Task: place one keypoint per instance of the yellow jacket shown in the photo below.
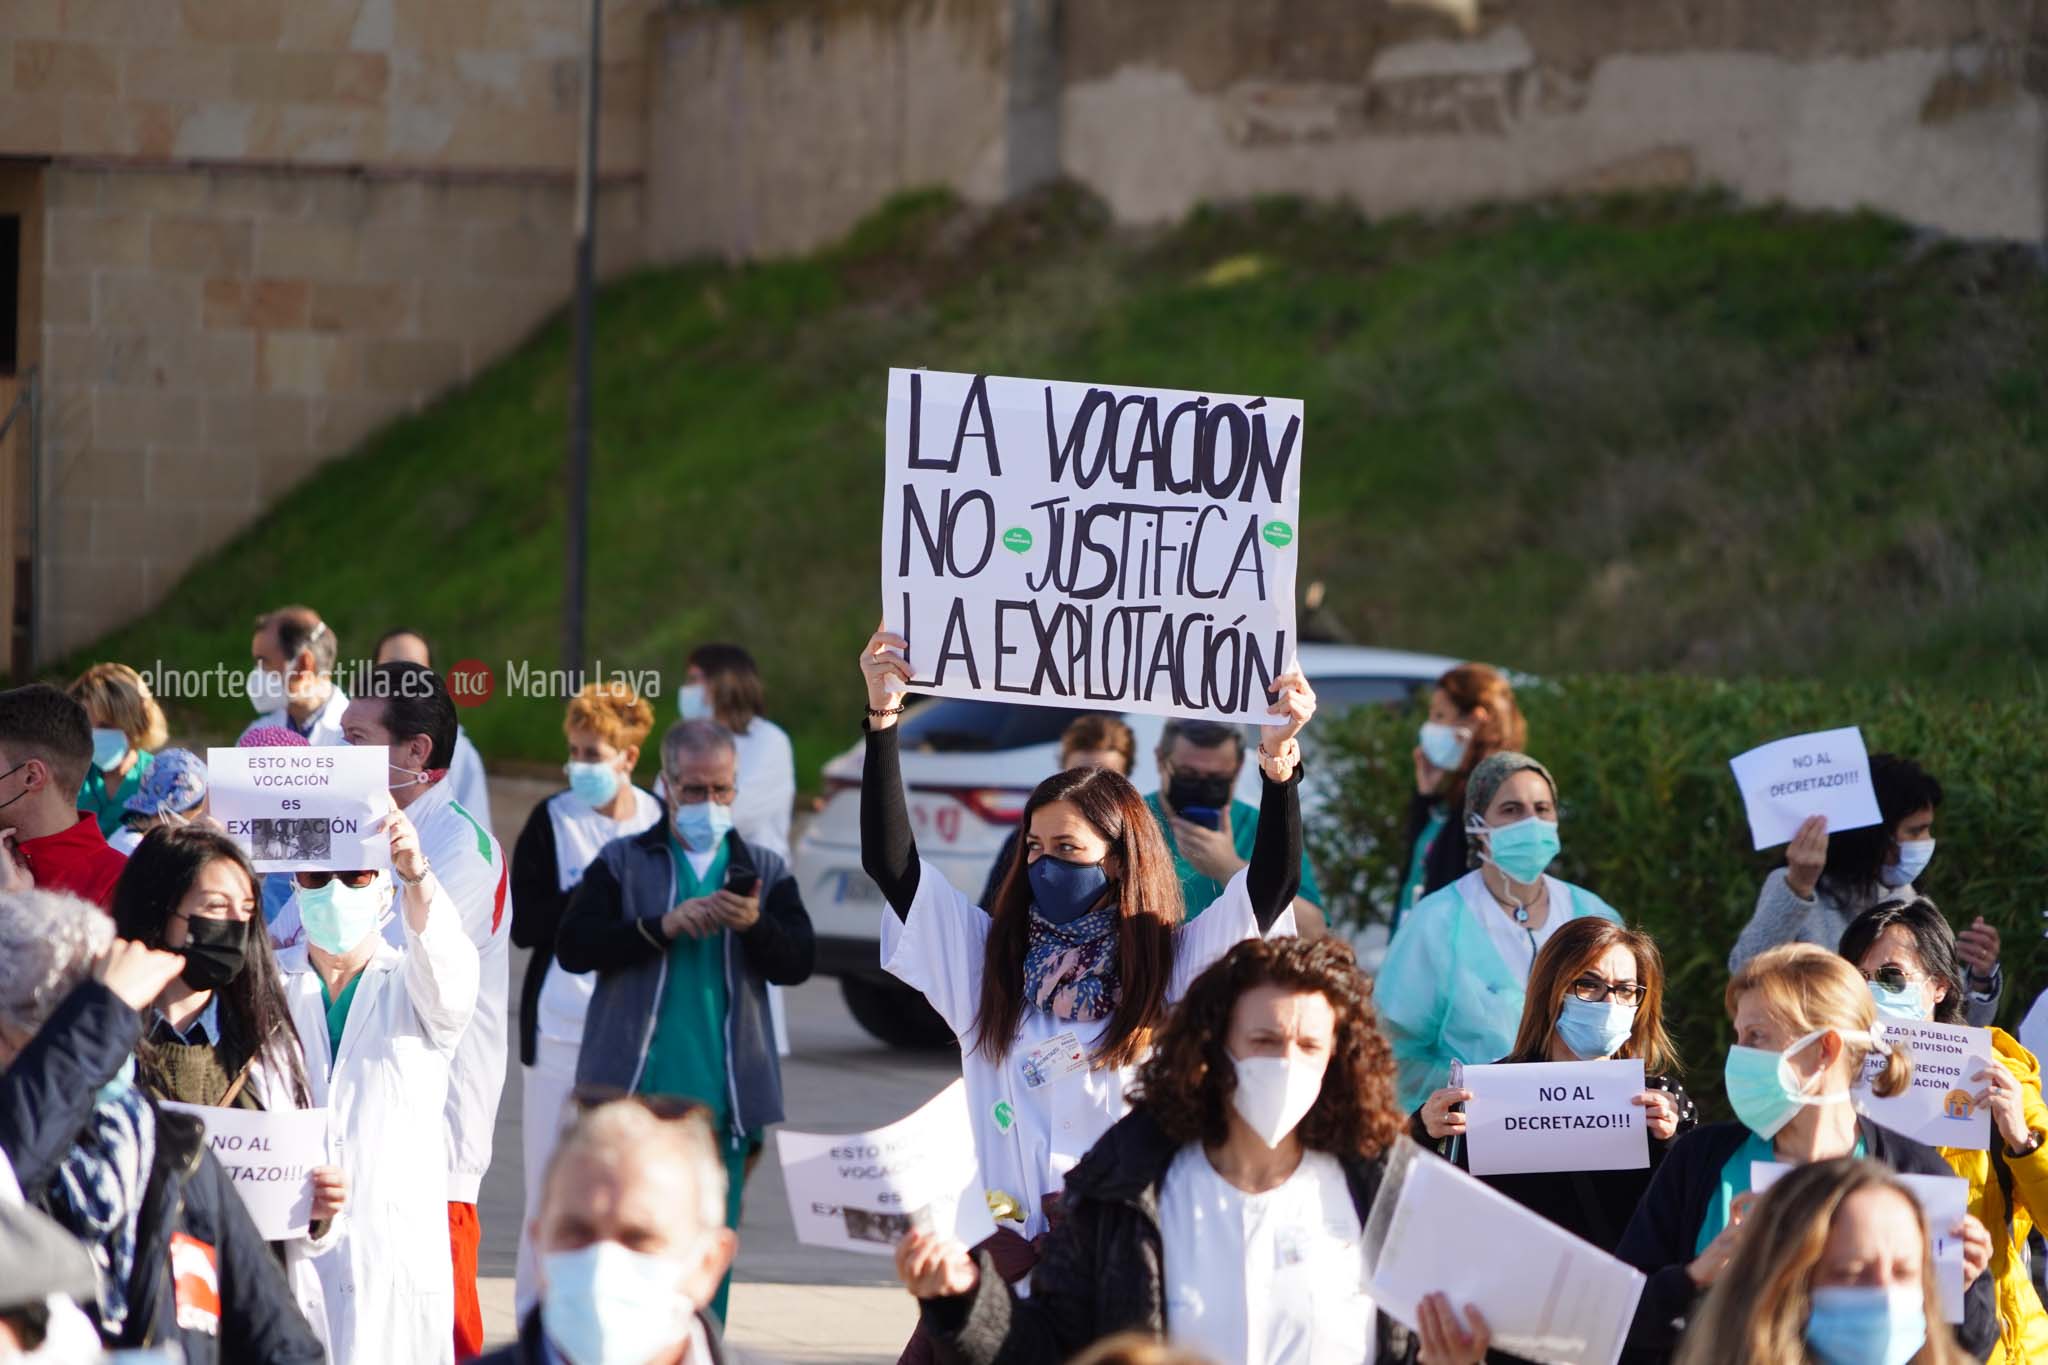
(2023, 1322)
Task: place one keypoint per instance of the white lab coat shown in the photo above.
(326, 724)
(270, 1078)
(388, 1279)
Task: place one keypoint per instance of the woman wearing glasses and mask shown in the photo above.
(1452, 984)
(1907, 951)
(1057, 991)
(380, 1025)
(1595, 993)
(221, 1034)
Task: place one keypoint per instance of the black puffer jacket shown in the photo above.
(1101, 1268)
(47, 1096)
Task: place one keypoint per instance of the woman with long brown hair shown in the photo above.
(1057, 990)
(1595, 992)
(1837, 1271)
(1472, 714)
(1804, 1036)
(1225, 1212)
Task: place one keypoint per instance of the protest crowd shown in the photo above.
(251, 1061)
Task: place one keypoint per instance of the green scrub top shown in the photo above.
(686, 1056)
(337, 1012)
(111, 807)
(1198, 892)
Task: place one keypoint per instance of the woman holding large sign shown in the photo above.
(1057, 991)
(1595, 993)
(1803, 1034)
(221, 1034)
(1907, 952)
(1840, 1273)
(1451, 987)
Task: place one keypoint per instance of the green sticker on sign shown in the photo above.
(1017, 539)
(1278, 534)
(1005, 1116)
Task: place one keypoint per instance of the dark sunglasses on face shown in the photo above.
(1593, 990)
(313, 881)
(1889, 976)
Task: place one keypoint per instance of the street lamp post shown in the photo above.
(577, 540)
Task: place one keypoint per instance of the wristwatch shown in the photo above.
(425, 871)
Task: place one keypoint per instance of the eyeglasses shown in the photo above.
(313, 881)
(667, 1108)
(696, 794)
(1890, 976)
(1593, 990)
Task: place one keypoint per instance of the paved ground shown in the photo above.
(789, 1302)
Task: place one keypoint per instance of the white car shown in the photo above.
(968, 767)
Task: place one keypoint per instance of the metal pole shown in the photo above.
(577, 545)
(38, 588)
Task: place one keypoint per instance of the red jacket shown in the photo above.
(77, 860)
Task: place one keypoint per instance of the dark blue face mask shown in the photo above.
(1065, 891)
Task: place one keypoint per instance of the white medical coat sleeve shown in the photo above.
(1228, 921)
(440, 974)
(937, 948)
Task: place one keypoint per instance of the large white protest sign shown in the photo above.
(1555, 1116)
(1785, 781)
(1943, 1200)
(270, 1157)
(1080, 545)
(865, 1191)
(303, 809)
(1546, 1295)
(1939, 1108)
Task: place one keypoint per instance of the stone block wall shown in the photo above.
(210, 336)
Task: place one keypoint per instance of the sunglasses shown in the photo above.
(313, 881)
(1593, 990)
(1890, 976)
(668, 1108)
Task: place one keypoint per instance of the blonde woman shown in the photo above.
(1838, 1271)
(127, 729)
(1803, 1021)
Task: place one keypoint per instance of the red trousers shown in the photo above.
(465, 1234)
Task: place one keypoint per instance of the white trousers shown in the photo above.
(547, 1084)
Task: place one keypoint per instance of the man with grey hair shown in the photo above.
(686, 925)
(631, 1241)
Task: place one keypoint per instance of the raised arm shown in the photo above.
(888, 853)
(1275, 872)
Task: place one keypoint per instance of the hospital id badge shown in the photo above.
(1054, 1059)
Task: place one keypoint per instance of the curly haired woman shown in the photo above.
(1223, 1213)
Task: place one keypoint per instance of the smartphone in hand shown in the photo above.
(1208, 817)
(742, 882)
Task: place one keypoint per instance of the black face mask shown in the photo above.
(1193, 791)
(215, 950)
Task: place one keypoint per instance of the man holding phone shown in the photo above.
(686, 925)
(1208, 830)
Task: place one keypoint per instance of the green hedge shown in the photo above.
(1652, 821)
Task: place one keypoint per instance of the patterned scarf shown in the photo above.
(1070, 969)
(100, 1186)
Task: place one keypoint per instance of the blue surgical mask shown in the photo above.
(1521, 850)
(1063, 891)
(606, 1304)
(702, 824)
(692, 703)
(1765, 1092)
(595, 784)
(338, 917)
(1442, 745)
(1595, 1029)
(1857, 1324)
(1914, 856)
(1907, 1002)
(108, 747)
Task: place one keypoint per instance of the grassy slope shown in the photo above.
(1622, 434)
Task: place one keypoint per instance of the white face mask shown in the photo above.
(692, 703)
(1274, 1094)
(266, 689)
(606, 1304)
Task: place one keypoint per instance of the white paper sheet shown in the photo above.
(1938, 1107)
(1080, 545)
(1944, 1200)
(270, 1158)
(1785, 781)
(1555, 1116)
(303, 809)
(864, 1191)
(1547, 1295)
